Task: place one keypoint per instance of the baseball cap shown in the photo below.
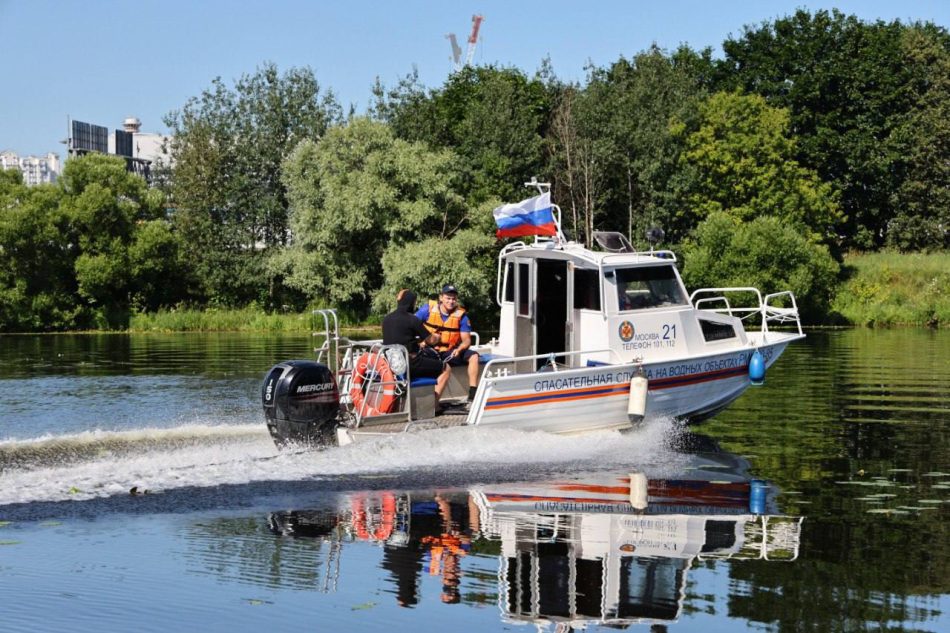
(449, 289)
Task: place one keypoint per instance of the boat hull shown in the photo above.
(596, 398)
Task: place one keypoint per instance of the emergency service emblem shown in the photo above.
(626, 331)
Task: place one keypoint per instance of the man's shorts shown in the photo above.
(458, 361)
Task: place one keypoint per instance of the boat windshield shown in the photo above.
(648, 287)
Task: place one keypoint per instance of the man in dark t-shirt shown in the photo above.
(402, 327)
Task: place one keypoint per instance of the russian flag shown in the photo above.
(534, 216)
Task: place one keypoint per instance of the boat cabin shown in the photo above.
(625, 306)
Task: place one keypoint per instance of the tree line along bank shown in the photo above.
(814, 136)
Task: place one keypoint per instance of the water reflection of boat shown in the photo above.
(586, 550)
(604, 547)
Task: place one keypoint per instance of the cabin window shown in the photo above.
(648, 287)
(524, 297)
(586, 289)
(713, 331)
(510, 283)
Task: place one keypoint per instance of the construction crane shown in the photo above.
(472, 43)
(456, 51)
(473, 38)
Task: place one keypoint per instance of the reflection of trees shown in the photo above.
(209, 354)
(864, 402)
(852, 576)
(245, 550)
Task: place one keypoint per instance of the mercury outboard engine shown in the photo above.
(307, 523)
(301, 403)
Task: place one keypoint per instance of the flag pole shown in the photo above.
(545, 187)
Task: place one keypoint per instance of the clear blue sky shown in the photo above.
(102, 60)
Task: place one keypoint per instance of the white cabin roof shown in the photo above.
(575, 251)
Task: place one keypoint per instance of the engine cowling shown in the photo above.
(301, 403)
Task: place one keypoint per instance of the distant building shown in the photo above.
(133, 143)
(35, 169)
(141, 150)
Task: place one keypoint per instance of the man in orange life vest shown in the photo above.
(446, 319)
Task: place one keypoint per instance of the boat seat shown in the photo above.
(422, 398)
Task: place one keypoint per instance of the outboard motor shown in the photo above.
(307, 523)
(301, 403)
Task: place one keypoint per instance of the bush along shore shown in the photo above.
(878, 290)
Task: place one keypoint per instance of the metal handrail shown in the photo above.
(767, 311)
(486, 372)
(758, 294)
(713, 299)
(668, 256)
(507, 250)
(331, 344)
(374, 347)
(782, 315)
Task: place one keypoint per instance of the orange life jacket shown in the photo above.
(449, 330)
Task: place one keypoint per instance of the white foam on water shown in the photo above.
(204, 456)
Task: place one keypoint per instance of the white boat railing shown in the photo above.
(550, 357)
(607, 260)
(768, 307)
(329, 351)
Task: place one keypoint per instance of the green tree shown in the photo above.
(356, 193)
(739, 159)
(612, 151)
(105, 206)
(37, 283)
(492, 118)
(764, 252)
(846, 85)
(159, 275)
(467, 260)
(85, 251)
(226, 155)
(922, 200)
(579, 184)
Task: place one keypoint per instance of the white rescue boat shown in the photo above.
(588, 340)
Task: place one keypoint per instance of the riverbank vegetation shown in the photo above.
(889, 288)
(883, 289)
(814, 135)
(248, 319)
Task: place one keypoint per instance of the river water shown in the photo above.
(139, 491)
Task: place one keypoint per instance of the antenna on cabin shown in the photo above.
(542, 187)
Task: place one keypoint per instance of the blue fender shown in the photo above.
(757, 368)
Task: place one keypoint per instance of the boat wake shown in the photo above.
(100, 464)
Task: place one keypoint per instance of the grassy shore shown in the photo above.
(889, 289)
(236, 320)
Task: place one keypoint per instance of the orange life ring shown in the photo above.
(387, 380)
(387, 518)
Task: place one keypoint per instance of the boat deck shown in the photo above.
(453, 417)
